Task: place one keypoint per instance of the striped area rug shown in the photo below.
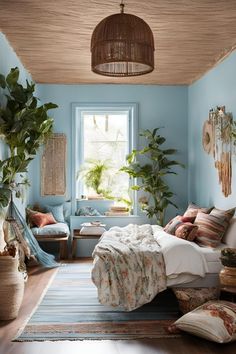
(69, 310)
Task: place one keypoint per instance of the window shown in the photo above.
(104, 135)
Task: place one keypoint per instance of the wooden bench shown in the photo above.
(63, 239)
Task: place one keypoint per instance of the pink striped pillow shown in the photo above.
(212, 227)
(193, 210)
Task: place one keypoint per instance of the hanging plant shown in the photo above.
(95, 174)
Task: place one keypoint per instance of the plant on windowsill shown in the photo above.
(150, 165)
(96, 174)
(24, 127)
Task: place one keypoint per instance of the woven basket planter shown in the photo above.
(11, 289)
(228, 276)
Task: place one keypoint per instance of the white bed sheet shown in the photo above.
(180, 256)
(174, 253)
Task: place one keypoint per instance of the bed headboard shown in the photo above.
(230, 236)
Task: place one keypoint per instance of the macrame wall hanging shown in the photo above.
(219, 140)
(53, 166)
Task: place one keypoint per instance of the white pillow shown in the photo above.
(92, 230)
(215, 321)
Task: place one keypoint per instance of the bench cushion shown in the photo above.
(57, 229)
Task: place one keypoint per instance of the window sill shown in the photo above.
(105, 216)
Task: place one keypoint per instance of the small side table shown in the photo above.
(77, 236)
(228, 293)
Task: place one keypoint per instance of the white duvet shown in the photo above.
(180, 256)
(132, 264)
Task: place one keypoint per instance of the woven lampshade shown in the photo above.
(122, 45)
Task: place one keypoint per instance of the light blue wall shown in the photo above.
(8, 60)
(159, 106)
(216, 88)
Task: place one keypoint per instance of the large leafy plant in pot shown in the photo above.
(149, 166)
(24, 127)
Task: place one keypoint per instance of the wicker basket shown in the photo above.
(228, 276)
(11, 289)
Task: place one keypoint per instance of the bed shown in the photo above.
(129, 273)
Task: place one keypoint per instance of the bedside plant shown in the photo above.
(150, 165)
(228, 257)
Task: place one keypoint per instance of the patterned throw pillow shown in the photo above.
(193, 210)
(225, 215)
(172, 225)
(212, 227)
(186, 231)
(42, 219)
(215, 321)
(57, 212)
(182, 227)
(190, 298)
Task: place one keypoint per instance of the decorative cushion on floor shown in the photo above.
(57, 230)
(215, 321)
(193, 210)
(57, 212)
(42, 219)
(212, 227)
(191, 298)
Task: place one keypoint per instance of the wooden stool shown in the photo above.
(77, 236)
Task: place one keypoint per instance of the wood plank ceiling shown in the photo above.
(52, 38)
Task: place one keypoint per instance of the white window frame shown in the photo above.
(78, 109)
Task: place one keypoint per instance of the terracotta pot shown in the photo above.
(228, 276)
(11, 289)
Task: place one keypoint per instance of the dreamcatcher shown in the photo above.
(217, 140)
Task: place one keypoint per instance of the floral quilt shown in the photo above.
(128, 268)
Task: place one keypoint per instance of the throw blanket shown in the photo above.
(128, 267)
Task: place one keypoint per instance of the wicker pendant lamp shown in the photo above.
(122, 45)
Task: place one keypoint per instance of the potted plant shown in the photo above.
(96, 174)
(228, 257)
(150, 165)
(24, 127)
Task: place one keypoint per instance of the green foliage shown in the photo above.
(94, 172)
(149, 166)
(24, 127)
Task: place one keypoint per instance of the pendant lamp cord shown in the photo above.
(122, 5)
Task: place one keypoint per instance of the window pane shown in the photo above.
(105, 139)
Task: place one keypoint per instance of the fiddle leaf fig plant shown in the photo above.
(24, 127)
(149, 166)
